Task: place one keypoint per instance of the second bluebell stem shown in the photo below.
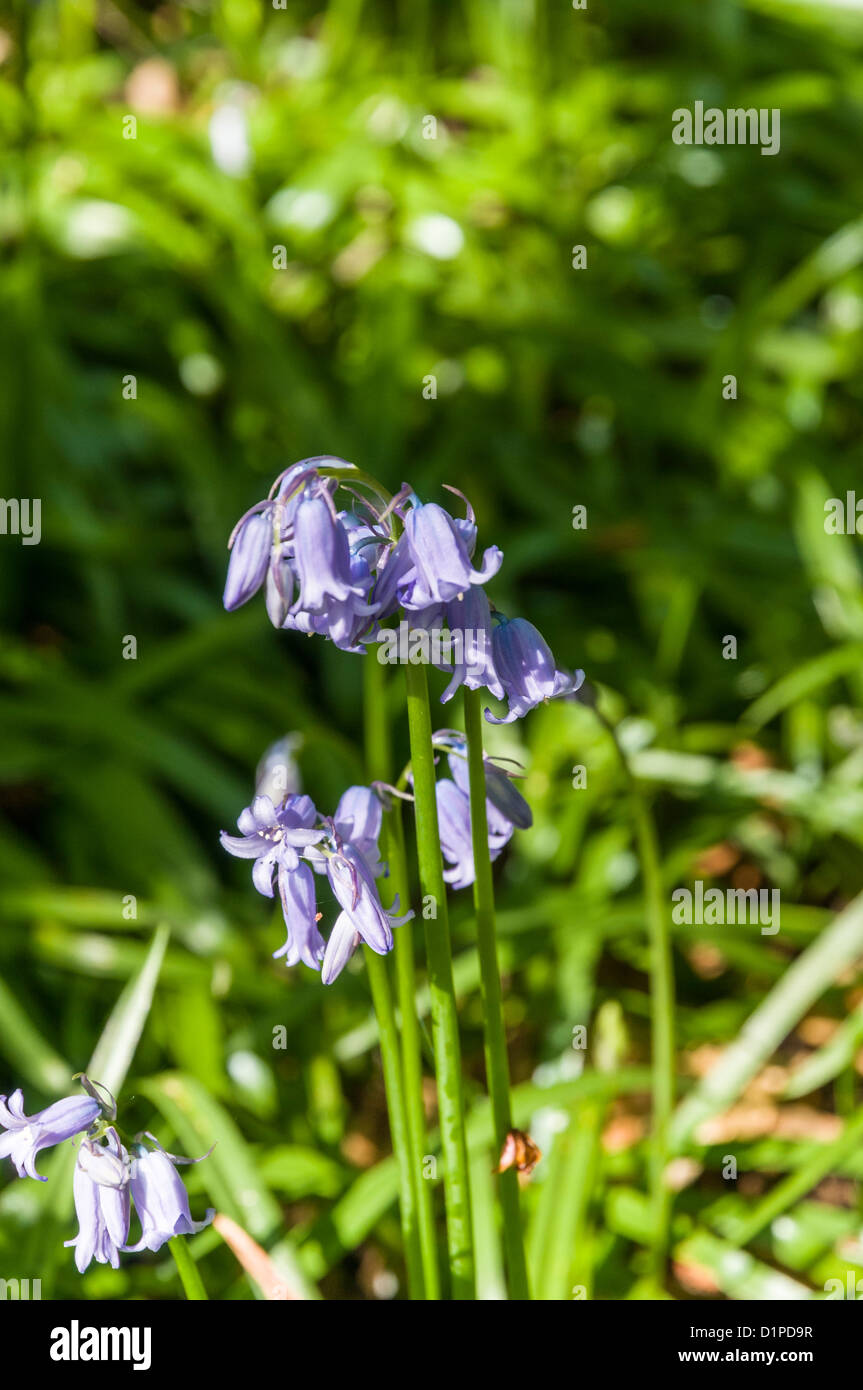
(444, 1014)
(496, 1061)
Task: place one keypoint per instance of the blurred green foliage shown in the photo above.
(281, 256)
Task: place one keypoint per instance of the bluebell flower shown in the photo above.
(440, 553)
(527, 670)
(504, 802)
(160, 1199)
(288, 842)
(279, 590)
(470, 614)
(250, 544)
(358, 819)
(344, 940)
(299, 908)
(101, 1190)
(273, 837)
(505, 809)
(453, 810)
(353, 883)
(27, 1135)
(322, 556)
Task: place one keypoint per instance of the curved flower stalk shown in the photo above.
(292, 842)
(107, 1177)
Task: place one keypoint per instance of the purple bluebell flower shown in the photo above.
(504, 802)
(358, 820)
(280, 585)
(505, 809)
(27, 1135)
(101, 1190)
(322, 556)
(250, 545)
(470, 614)
(273, 837)
(334, 577)
(440, 553)
(304, 941)
(453, 810)
(277, 774)
(353, 883)
(344, 940)
(161, 1200)
(526, 667)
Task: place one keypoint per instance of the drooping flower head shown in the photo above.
(297, 542)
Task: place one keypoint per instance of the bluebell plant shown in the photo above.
(336, 557)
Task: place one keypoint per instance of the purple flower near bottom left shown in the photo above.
(107, 1178)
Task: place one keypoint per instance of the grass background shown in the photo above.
(556, 387)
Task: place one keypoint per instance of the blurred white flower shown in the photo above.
(437, 235)
(229, 140)
(95, 228)
(308, 208)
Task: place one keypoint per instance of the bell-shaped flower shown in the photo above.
(469, 614)
(453, 812)
(28, 1134)
(279, 591)
(505, 805)
(526, 667)
(161, 1200)
(344, 940)
(322, 556)
(304, 941)
(358, 821)
(250, 543)
(442, 567)
(353, 883)
(100, 1187)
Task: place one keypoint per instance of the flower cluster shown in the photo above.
(290, 843)
(343, 573)
(108, 1177)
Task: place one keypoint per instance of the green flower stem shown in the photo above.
(662, 1009)
(377, 758)
(441, 990)
(389, 1044)
(412, 1050)
(496, 1063)
(191, 1280)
